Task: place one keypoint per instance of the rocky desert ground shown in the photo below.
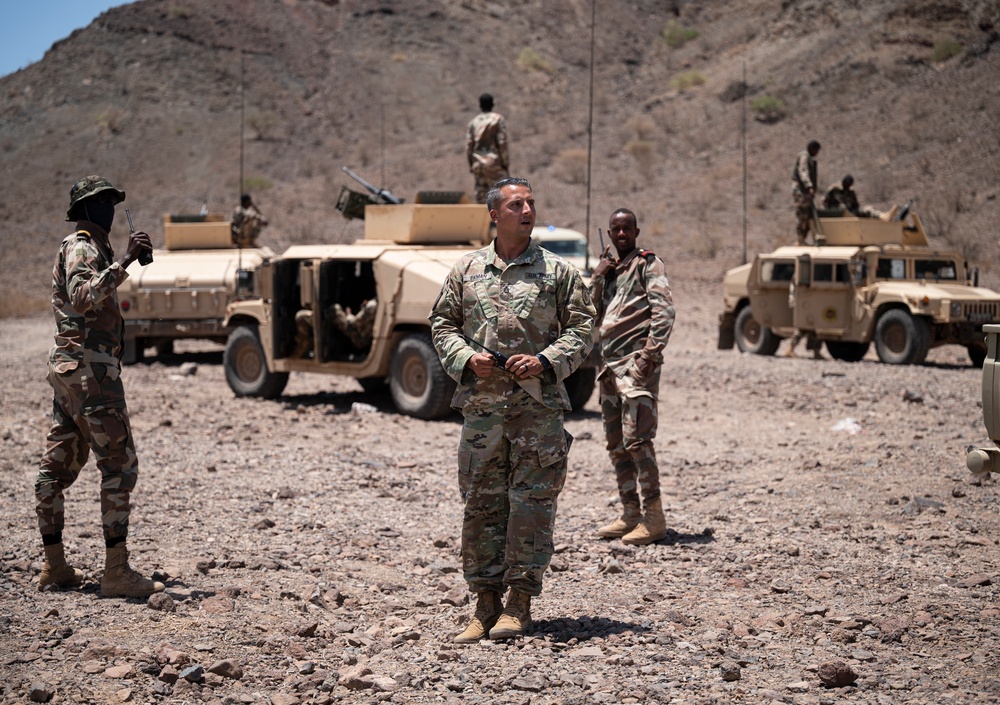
(828, 544)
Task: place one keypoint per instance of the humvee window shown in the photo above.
(891, 269)
(566, 248)
(831, 272)
(934, 269)
(774, 271)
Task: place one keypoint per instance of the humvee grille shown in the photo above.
(981, 311)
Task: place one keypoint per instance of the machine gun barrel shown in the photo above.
(381, 196)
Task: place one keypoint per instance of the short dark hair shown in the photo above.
(245, 198)
(626, 211)
(493, 195)
(813, 146)
(847, 181)
(486, 102)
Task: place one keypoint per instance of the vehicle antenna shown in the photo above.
(590, 132)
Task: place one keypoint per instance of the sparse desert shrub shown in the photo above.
(676, 35)
(112, 120)
(571, 165)
(643, 152)
(179, 12)
(533, 61)
(256, 183)
(642, 127)
(944, 49)
(685, 80)
(768, 109)
(262, 122)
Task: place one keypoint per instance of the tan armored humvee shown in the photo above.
(184, 292)
(869, 280)
(404, 258)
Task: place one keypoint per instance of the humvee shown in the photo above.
(986, 460)
(401, 263)
(184, 292)
(868, 280)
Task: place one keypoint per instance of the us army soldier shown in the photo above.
(486, 147)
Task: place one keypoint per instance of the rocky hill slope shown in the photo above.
(902, 94)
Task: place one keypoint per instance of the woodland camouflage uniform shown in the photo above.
(635, 312)
(486, 150)
(513, 450)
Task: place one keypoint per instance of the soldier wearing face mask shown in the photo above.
(88, 410)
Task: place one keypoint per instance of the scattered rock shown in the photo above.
(730, 671)
(161, 601)
(193, 674)
(227, 669)
(40, 693)
(836, 674)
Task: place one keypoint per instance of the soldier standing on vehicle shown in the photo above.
(89, 410)
(530, 307)
(486, 147)
(804, 180)
(635, 312)
(247, 222)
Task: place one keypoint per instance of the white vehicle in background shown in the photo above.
(571, 245)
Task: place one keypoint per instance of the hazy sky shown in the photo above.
(30, 27)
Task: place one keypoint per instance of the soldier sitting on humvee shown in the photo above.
(840, 196)
(357, 327)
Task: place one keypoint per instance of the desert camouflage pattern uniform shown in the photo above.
(635, 312)
(486, 150)
(513, 449)
(88, 410)
(847, 199)
(246, 225)
(804, 177)
(358, 326)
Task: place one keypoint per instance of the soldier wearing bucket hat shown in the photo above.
(88, 410)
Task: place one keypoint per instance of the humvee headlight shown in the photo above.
(926, 300)
(955, 309)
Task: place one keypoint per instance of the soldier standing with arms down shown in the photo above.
(89, 410)
(804, 185)
(486, 147)
(521, 301)
(635, 312)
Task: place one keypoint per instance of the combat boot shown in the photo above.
(120, 580)
(515, 620)
(56, 570)
(653, 526)
(623, 524)
(488, 607)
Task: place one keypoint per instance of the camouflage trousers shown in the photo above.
(629, 412)
(803, 215)
(485, 178)
(511, 467)
(88, 412)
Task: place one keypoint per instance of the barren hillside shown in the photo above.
(902, 94)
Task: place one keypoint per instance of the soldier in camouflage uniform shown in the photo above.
(486, 147)
(804, 181)
(635, 312)
(842, 196)
(522, 301)
(89, 411)
(356, 326)
(247, 223)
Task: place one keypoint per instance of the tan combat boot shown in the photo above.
(488, 606)
(121, 581)
(622, 525)
(56, 570)
(515, 620)
(653, 526)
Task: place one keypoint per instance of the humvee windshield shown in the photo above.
(566, 248)
(934, 269)
(777, 270)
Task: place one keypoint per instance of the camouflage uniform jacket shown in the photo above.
(85, 279)
(486, 141)
(536, 304)
(839, 197)
(635, 311)
(804, 175)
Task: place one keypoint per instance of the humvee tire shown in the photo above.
(246, 367)
(418, 384)
(902, 339)
(751, 337)
(977, 353)
(580, 386)
(847, 351)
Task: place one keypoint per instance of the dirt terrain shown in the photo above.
(310, 554)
